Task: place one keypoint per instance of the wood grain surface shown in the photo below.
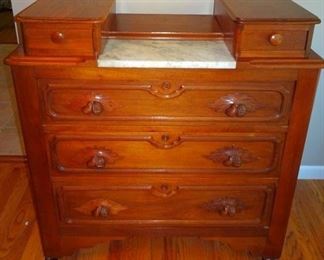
(165, 129)
(22, 242)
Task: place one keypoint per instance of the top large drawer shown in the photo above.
(166, 101)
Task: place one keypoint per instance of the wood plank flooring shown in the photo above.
(19, 237)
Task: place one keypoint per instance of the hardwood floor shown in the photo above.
(18, 228)
(19, 238)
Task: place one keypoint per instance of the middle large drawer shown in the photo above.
(166, 152)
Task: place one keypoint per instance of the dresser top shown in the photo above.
(268, 10)
(65, 10)
(166, 54)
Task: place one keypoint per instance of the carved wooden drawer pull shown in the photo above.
(98, 161)
(236, 110)
(233, 161)
(232, 156)
(102, 212)
(93, 107)
(276, 39)
(102, 158)
(57, 37)
(225, 206)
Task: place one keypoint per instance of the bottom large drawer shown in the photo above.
(166, 205)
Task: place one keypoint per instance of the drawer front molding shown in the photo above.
(166, 101)
(164, 152)
(211, 205)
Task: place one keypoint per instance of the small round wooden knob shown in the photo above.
(57, 37)
(276, 39)
(236, 110)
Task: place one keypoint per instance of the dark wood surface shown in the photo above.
(141, 148)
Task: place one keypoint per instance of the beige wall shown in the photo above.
(314, 150)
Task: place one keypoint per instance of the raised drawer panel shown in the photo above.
(166, 204)
(274, 41)
(167, 101)
(55, 39)
(164, 152)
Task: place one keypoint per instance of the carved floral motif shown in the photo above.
(166, 90)
(100, 208)
(226, 206)
(164, 190)
(232, 156)
(235, 105)
(102, 157)
(165, 141)
(99, 105)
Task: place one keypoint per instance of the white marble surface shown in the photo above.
(166, 54)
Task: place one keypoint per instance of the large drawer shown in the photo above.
(166, 152)
(166, 101)
(166, 205)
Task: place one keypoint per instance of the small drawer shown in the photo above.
(166, 204)
(166, 152)
(166, 101)
(55, 39)
(274, 41)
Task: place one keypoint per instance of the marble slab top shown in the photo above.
(166, 54)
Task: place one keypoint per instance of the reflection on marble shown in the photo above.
(166, 54)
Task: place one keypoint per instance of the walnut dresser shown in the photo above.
(118, 151)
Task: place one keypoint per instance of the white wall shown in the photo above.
(18, 5)
(166, 6)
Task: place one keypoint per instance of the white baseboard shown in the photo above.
(311, 172)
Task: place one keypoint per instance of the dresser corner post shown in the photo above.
(26, 90)
(305, 91)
